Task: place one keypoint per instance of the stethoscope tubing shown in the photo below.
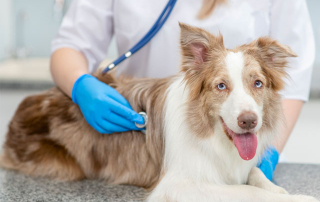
(151, 33)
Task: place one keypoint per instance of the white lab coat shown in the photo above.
(89, 26)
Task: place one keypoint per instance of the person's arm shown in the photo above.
(81, 44)
(270, 158)
(291, 110)
(290, 24)
(66, 66)
(83, 39)
(102, 106)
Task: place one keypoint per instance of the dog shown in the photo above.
(208, 126)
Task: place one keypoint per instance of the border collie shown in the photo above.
(208, 126)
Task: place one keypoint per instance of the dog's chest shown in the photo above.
(212, 160)
(212, 168)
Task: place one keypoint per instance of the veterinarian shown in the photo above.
(86, 31)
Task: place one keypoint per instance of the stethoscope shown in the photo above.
(152, 32)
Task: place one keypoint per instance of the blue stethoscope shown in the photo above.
(152, 32)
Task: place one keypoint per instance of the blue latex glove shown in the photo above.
(103, 107)
(269, 162)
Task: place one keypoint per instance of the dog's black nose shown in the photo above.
(247, 120)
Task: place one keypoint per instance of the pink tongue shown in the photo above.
(246, 145)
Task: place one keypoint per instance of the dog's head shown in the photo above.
(238, 89)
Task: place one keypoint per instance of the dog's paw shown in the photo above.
(276, 189)
(303, 198)
(273, 188)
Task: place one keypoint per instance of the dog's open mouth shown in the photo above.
(246, 143)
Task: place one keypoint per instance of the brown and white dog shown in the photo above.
(208, 126)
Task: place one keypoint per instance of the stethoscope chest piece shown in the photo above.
(145, 117)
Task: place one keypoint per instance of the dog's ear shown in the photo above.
(273, 58)
(272, 52)
(196, 45)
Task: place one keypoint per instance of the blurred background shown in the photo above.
(26, 31)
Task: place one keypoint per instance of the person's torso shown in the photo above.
(239, 22)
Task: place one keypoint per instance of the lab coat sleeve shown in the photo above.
(290, 24)
(87, 27)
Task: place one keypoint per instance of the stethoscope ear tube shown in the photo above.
(151, 33)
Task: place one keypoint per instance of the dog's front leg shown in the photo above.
(190, 191)
(258, 179)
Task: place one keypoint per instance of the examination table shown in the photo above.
(15, 187)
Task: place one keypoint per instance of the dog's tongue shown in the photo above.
(246, 144)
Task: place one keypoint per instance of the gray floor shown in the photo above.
(302, 147)
(295, 178)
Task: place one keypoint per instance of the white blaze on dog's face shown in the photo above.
(234, 87)
(241, 113)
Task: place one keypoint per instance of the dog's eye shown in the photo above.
(258, 84)
(222, 86)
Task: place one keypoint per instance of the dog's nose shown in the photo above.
(247, 120)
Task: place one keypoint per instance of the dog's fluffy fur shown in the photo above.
(188, 153)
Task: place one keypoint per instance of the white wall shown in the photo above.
(6, 31)
(35, 26)
(39, 27)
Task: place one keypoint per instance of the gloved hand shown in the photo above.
(269, 162)
(103, 107)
